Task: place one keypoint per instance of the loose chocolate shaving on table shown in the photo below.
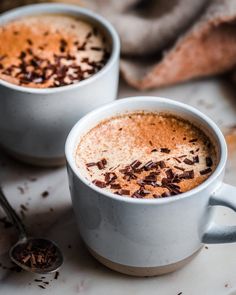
(56, 275)
(45, 194)
(206, 171)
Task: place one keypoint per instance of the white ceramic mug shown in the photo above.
(143, 236)
(34, 122)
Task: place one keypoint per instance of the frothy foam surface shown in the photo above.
(43, 51)
(146, 155)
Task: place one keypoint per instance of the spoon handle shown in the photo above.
(12, 215)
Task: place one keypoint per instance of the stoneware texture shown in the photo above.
(34, 122)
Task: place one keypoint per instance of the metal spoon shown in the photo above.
(25, 241)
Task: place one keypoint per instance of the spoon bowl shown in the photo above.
(36, 255)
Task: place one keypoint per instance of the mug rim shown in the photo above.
(73, 134)
(66, 8)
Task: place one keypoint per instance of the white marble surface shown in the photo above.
(212, 272)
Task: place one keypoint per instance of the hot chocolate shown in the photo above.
(44, 51)
(146, 155)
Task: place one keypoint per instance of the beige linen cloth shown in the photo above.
(166, 42)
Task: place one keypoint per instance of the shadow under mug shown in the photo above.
(144, 237)
(34, 122)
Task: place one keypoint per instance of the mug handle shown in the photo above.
(216, 234)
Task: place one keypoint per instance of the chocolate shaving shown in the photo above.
(187, 175)
(99, 183)
(206, 171)
(110, 177)
(196, 159)
(101, 164)
(193, 140)
(188, 161)
(179, 168)
(161, 164)
(165, 194)
(135, 164)
(96, 48)
(152, 177)
(165, 150)
(169, 174)
(115, 186)
(56, 275)
(154, 150)
(124, 192)
(141, 193)
(45, 194)
(209, 162)
(180, 157)
(176, 159)
(149, 165)
(91, 164)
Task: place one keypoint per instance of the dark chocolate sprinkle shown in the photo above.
(91, 164)
(206, 171)
(165, 194)
(188, 161)
(196, 159)
(115, 186)
(209, 161)
(187, 175)
(99, 183)
(179, 168)
(193, 140)
(124, 192)
(165, 150)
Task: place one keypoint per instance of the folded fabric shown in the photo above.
(168, 42)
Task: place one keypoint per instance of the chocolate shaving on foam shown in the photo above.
(187, 175)
(209, 162)
(206, 171)
(99, 183)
